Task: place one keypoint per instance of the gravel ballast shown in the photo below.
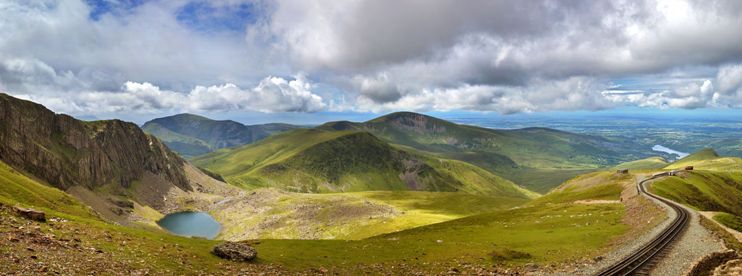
(695, 243)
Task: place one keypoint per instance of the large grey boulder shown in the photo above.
(235, 251)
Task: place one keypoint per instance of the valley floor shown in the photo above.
(527, 238)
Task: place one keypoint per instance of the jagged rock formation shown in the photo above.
(66, 152)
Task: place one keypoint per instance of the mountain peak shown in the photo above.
(192, 135)
(339, 125)
(185, 118)
(707, 153)
(404, 115)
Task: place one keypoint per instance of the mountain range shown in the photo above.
(192, 135)
(545, 155)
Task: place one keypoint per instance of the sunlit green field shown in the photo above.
(539, 232)
(354, 215)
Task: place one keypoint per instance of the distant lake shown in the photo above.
(192, 224)
(664, 149)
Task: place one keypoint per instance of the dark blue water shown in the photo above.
(193, 224)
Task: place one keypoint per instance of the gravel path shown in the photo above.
(694, 243)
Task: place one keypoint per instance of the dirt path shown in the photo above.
(597, 201)
(710, 215)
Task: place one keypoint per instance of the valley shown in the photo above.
(403, 193)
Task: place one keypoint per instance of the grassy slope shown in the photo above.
(329, 161)
(708, 159)
(468, 240)
(715, 184)
(534, 234)
(704, 190)
(17, 189)
(245, 159)
(731, 221)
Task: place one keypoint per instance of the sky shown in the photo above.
(308, 61)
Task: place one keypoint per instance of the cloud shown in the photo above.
(273, 94)
(540, 37)
(729, 82)
(378, 89)
(503, 56)
(145, 43)
(395, 48)
(540, 95)
(689, 96)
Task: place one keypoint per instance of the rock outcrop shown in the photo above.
(66, 152)
(235, 251)
(31, 214)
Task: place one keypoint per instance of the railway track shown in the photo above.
(642, 261)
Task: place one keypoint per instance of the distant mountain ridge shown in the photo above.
(528, 156)
(192, 135)
(547, 147)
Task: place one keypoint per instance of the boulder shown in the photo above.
(31, 214)
(235, 251)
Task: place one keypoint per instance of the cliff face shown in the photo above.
(66, 152)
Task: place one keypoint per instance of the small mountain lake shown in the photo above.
(664, 149)
(193, 224)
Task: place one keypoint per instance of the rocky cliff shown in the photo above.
(66, 152)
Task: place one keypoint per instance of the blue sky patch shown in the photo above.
(207, 17)
(102, 7)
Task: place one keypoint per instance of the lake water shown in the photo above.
(661, 148)
(193, 224)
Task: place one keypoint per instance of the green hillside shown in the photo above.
(704, 190)
(714, 184)
(192, 135)
(528, 147)
(536, 158)
(604, 185)
(316, 160)
(708, 159)
(534, 233)
(18, 189)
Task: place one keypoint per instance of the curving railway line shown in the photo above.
(643, 259)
